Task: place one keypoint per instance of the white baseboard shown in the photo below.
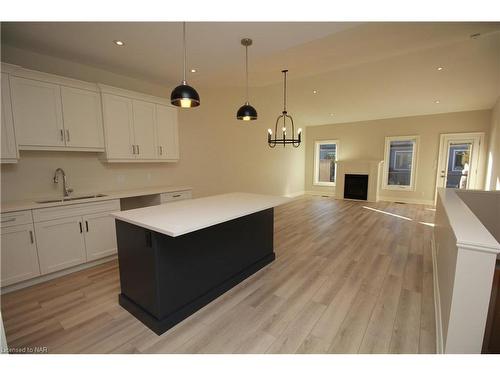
(437, 301)
(43, 278)
(295, 194)
(324, 193)
(407, 200)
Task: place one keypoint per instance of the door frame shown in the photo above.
(477, 139)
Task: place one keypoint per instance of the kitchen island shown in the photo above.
(175, 258)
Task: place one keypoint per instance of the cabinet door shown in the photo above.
(60, 243)
(144, 129)
(100, 235)
(82, 118)
(118, 130)
(37, 112)
(18, 254)
(9, 146)
(167, 133)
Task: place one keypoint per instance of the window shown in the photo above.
(325, 158)
(400, 163)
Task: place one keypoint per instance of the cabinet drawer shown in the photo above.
(52, 213)
(16, 218)
(175, 196)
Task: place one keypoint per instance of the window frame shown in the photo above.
(414, 162)
(317, 145)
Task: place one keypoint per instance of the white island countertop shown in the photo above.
(178, 218)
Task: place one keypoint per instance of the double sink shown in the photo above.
(66, 199)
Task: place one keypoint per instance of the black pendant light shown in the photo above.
(246, 111)
(283, 140)
(184, 95)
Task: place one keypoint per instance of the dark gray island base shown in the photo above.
(165, 279)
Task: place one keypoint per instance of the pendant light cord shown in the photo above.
(184, 43)
(284, 91)
(246, 64)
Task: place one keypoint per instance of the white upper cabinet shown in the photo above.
(118, 127)
(138, 127)
(37, 112)
(55, 113)
(144, 129)
(82, 118)
(9, 145)
(167, 133)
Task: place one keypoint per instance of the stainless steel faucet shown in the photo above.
(66, 189)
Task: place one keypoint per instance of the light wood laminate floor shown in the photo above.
(349, 277)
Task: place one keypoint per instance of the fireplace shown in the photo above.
(356, 186)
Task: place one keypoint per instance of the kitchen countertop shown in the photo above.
(30, 204)
(186, 216)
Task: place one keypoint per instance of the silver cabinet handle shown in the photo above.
(133, 149)
(62, 135)
(8, 220)
(161, 150)
(138, 149)
(31, 237)
(176, 195)
(67, 135)
(81, 229)
(87, 225)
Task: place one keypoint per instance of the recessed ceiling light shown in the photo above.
(437, 101)
(194, 70)
(119, 42)
(440, 68)
(331, 114)
(315, 91)
(475, 36)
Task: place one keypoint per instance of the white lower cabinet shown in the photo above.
(60, 243)
(75, 234)
(19, 260)
(100, 235)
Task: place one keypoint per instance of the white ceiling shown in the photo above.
(361, 70)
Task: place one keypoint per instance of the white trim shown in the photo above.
(319, 192)
(427, 202)
(316, 181)
(134, 95)
(437, 300)
(414, 163)
(295, 194)
(55, 275)
(18, 71)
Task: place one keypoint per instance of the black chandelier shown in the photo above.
(283, 140)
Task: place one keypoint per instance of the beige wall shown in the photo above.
(218, 153)
(493, 168)
(366, 139)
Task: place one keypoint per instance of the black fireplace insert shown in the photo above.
(356, 186)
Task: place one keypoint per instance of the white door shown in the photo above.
(167, 134)
(19, 259)
(100, 235)
(144, 129)
(60, 243)
(118, 127)
(82, 118)
(459, 160)
(9, 146)
(37, 112)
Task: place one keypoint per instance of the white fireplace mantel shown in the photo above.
(372, 168)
